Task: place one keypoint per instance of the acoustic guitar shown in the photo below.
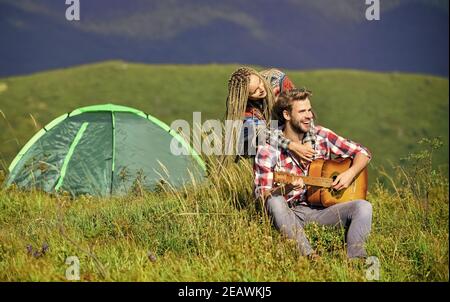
(321, 175)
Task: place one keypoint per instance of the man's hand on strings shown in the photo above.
(343, 180)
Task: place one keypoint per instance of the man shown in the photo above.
(291, 212)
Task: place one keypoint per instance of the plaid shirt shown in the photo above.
(269, 159)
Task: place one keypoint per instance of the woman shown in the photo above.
(251, 96)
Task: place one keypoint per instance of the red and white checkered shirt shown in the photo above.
(269, 159)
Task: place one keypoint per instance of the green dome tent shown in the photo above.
(104, 150)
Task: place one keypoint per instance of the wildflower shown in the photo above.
(151, 257)
(29, 249)
(44, 248)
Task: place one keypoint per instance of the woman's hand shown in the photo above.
(304, 151)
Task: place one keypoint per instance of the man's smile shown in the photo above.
(306, 123)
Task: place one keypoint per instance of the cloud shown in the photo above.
(141, 19)
(167, 22)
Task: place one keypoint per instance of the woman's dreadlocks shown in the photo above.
(237, 99)
(238, 95)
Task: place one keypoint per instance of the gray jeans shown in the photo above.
(355, 216)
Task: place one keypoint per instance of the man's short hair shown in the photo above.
(286, 99)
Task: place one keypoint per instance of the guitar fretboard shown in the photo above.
(282, 177)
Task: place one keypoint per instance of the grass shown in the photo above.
(214, 232)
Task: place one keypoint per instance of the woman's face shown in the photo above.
(256, 90)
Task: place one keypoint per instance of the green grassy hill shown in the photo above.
(214, 231)
(387, 112)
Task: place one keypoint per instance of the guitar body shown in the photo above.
(331, 169)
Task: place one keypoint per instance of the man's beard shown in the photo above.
(297, 127)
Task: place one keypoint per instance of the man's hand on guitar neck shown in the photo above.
(345, 179)
(284, 189)
(298, 183)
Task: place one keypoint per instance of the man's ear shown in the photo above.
(286, 115)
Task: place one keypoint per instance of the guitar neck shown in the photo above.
(308, 180)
